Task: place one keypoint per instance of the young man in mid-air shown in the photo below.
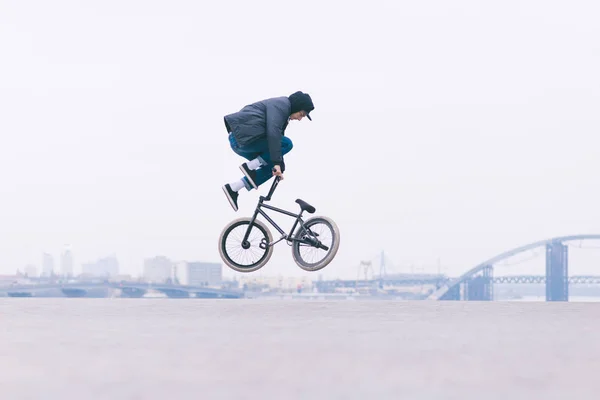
(257, 133)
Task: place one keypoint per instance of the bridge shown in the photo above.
(477, 283)
(128, 289)
(439, 280)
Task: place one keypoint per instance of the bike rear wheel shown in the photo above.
(248, 257)
(320, 231)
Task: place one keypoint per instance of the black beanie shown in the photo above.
(301, 102)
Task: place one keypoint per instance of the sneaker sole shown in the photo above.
(231, 202)
(248, 177)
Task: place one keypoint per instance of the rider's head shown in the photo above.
(302, 105)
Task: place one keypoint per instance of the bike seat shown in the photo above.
(304, 206)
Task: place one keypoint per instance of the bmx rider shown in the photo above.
(257, 133)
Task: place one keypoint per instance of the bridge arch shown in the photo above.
(440, 292)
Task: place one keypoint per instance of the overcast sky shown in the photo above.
(441, 130)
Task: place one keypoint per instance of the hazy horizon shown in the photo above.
(441, 131)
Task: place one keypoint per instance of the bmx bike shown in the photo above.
(246, 243)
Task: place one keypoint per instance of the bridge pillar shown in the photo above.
(481, 287)
(557, 272)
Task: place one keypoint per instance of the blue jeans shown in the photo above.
(259, 148)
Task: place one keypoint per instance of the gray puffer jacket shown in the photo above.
(263, 119)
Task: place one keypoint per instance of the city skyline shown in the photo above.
(584, 260)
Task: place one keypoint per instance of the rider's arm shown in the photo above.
(275, 120)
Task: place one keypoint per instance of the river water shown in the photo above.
(297, 349)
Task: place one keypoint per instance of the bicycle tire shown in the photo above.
(223, 251)
(331, 252)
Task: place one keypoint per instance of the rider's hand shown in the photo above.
(277, 172)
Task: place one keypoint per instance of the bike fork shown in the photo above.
(245, 243)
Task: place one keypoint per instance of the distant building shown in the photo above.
(204, 274)
(158, 269)
(105, 267)
(200, 273)
(66, 263)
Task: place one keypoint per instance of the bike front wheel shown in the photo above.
(317, 244)
(249, 256)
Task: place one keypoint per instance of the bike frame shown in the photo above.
(287, 236)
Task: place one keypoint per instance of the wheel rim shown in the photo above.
(233, 248)
(308, 255)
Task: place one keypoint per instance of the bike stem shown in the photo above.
(273, 186)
